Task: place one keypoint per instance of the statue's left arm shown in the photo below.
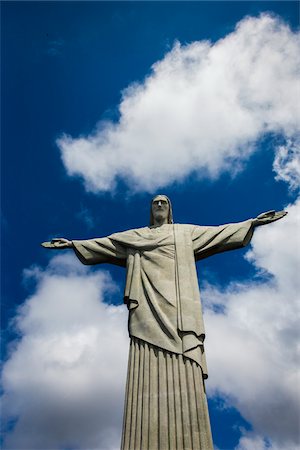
(210, 240)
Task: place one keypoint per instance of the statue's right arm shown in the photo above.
(58, 243)
(93, 251)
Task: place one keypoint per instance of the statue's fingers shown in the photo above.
(57, 240)
(266, 214)
(280, 214)
(47, 244)
(271, 213)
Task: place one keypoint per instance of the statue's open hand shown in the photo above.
(58, 243)
(268, 217)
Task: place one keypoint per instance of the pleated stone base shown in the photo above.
(165, 403)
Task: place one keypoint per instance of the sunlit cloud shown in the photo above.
(287, 163)
(64, 381)
(202, 109)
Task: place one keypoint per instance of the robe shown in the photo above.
(165, 405)
(161, 289)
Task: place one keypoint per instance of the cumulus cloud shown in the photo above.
(204, 106)
(252, 345)
(287, 163)
(64, 381)
(252, 442)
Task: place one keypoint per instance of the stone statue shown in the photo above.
(165, 404)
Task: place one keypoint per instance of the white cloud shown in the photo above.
(287, 163)
(254, 442)
(252, 348)
(65, 379)
(203, 106)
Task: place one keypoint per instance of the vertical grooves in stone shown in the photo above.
(139, 403)
(149, 403)
(153, 401)
(208, 435)
(185, 407)
(171, 402)
(145, 407)
(198, 399)
(134, 395)
(178, 407)
(128, 400)
(192, 394)
(165, 404)
(201, 415)
(204, 425)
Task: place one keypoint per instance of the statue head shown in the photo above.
(161, 210)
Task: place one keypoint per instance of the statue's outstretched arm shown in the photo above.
(268, 217)
(58, 243)
(92, 251)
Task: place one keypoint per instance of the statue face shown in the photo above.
(160, 209)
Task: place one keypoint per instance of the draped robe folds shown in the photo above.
(161, 290)
(165, 401)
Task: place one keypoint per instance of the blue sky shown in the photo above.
(213, 125)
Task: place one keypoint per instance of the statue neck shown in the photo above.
(159, 223)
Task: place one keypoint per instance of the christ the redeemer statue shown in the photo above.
(165, 404)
